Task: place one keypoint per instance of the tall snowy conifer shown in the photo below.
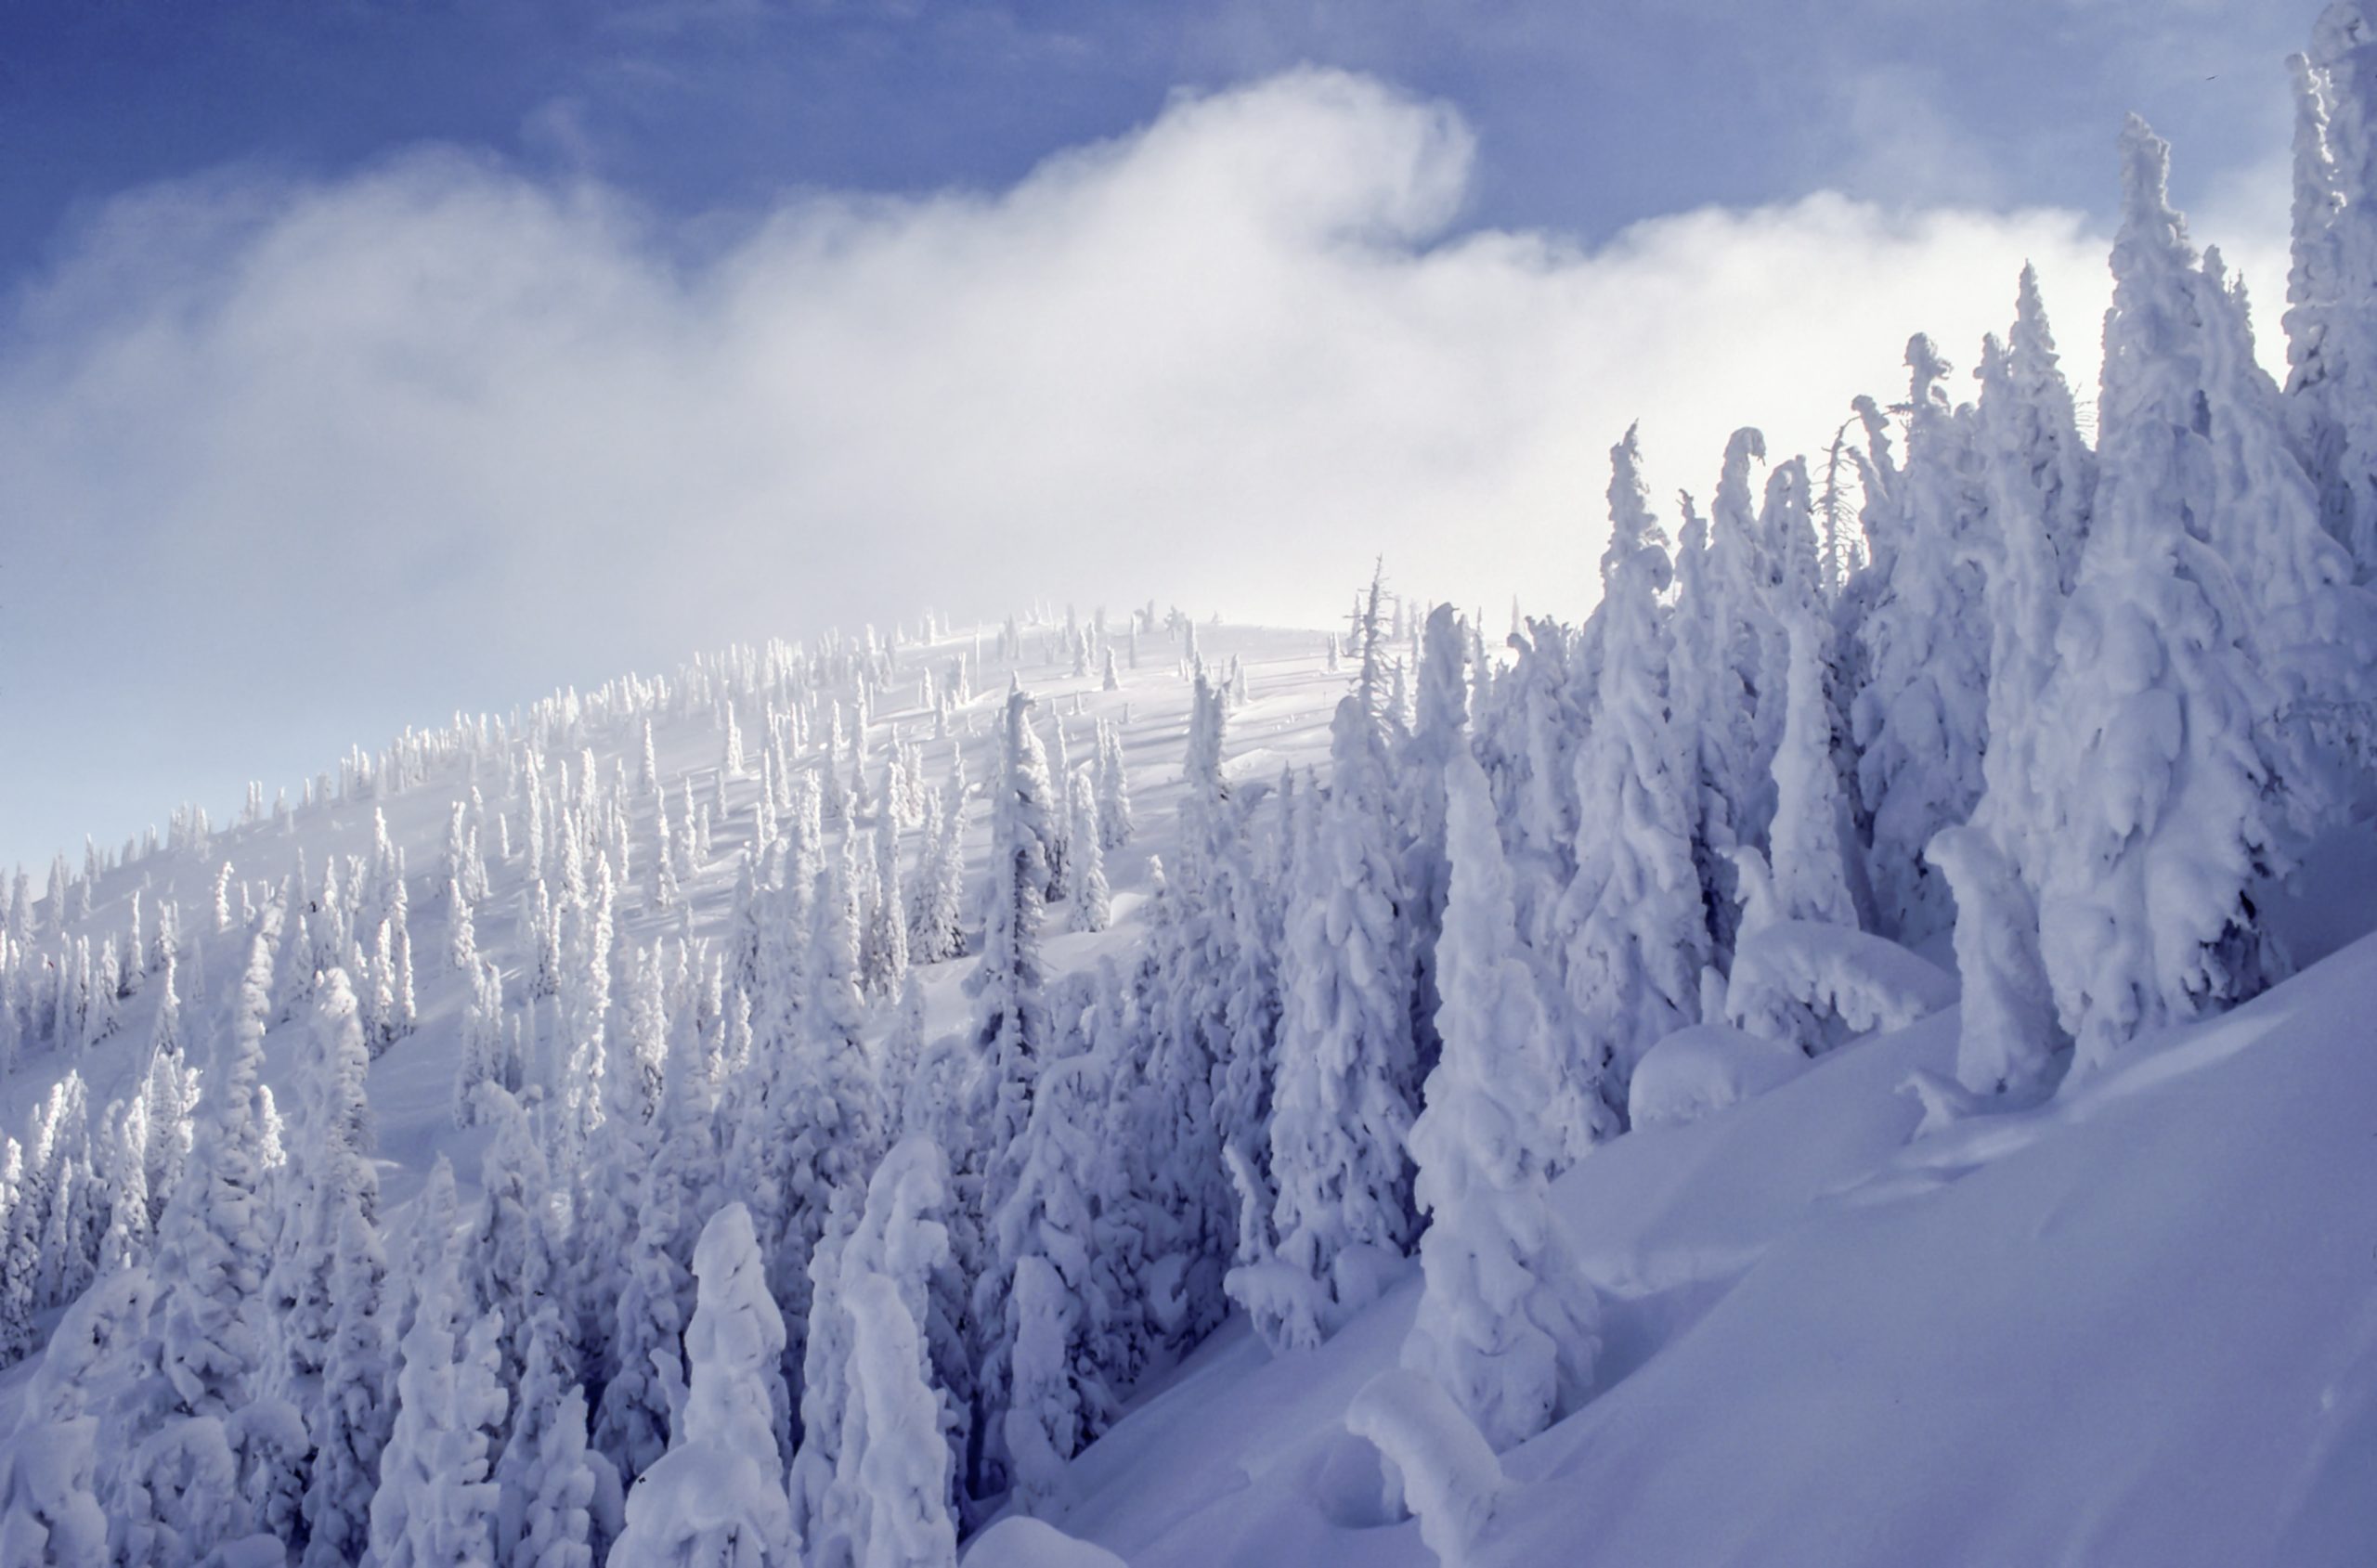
(1012, 1027)
(2160, 794)
(937, 929)
(716, 1498)
(1507, 1324)
(1438, 728)
(1043, 1304)
(2331, 286)
(435, 1504)
(212, 1428)
(884, 961)
(353, 1411)
(1631, 925)
(2039, 483)
(329, 1178)
(1092, 907)
(1114, 823)
(1919, 716)
(1347, 1079)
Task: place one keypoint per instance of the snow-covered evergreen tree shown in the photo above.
(2159, 791)
(936, 926)
(1507, 1325)
(1043, 1304)
(1919, 716)
(1342, 1104)
(353, 1408)
(2039, 480)
(2330, 321)
(50, 1513)
(884, 949)
(1092, 907)
(435, 1504)
(207, 1428)
(511, 1262)
(1011, 1029)
(1630, 924)
(716, 1498)
(1115, 825)
(1438, 728)
(551, 1489)
(330, 1182)
(655, 1297)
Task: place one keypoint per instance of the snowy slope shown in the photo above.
(1282, 723)
(2137, 1326)
(2133, 1327)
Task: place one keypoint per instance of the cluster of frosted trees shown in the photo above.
(715, 1220)
(766, 1265)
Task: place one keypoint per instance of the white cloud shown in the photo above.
(441, 434)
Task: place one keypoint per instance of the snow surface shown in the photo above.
(2137, 1327)
(1703, 1067)
(1028, 1543)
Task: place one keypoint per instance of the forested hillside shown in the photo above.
(1846, 1045)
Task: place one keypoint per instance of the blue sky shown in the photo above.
(1592, 115)
(362, 361)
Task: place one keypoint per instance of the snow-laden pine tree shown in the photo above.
(1092, 907)
(206, 1427)
(1056, 817)
(656, 1292)
(552, 1493)
(584, 999)
(902, 1466)
(1043, 1304)
(353, 1410)
(819, 1510)
(329, 1174)
(1922, 644)
(1188, 993)
(1805, 874)
(1631, 928)
(21, 1260)
(1114, 823)
(2159, 797)
(510, 1254)
(436, 1503)
(2039, 480)
(937, 921)
(903, 1239)
(884, 948)
(1507, 1324)
(716, 1498)
(1720, 627)
(165, 1033)
(2311, 632)
(1803, 878)
(1011, 1020)
(874, 1480)
(121, 1168)
(49, 1504)
(484, 1052)
(1439, 726)
(1347, 1081)
(461, 932)
(818, 1120)
(2331, 286)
